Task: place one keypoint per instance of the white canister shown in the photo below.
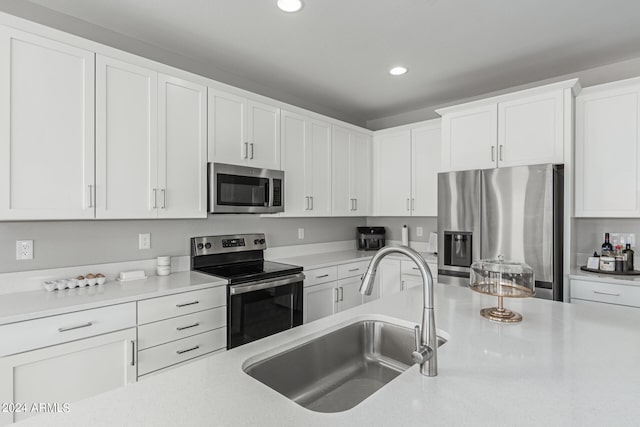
(607, 263)
(163, 261)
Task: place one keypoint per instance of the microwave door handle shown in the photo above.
(271, 193)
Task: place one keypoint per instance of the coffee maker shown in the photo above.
(370, 238)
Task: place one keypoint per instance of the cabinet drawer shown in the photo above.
(164, 331)
(352, 269)
(161, 356)
(320, 275)
(605, 292)
(409, 268)
(47, 331)
(161, 308)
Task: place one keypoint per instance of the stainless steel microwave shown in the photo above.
(242, 189)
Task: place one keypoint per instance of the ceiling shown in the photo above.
(337, 53)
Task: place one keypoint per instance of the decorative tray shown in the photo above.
(614, 273)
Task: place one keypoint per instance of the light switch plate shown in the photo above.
(301, 233)
(24, 249)
(419, 231)
(144, 241)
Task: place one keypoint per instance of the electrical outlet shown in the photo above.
(419, 231)
(301, 233)
(24, 249)
(144, 241)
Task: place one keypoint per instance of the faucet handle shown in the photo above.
(422, 353)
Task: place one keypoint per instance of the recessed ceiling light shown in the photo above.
(398, 71)
(290, 5)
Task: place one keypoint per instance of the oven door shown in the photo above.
(241, 189)
(258, 309)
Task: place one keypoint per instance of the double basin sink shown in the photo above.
(338, 370)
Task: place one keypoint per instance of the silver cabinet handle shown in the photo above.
(341, 293)
(322, 276)
(155, 197)
(182, 328)
(354, 269)
(355, 203)
(413, 204)
(311, 198)
(164, 198)
(133, 353)
(306, 203)
(91, 205)
(246, 150)
(71, 328)
(493, 153)
(186, 304)
(408, 205)
(500, 152)
(187, 350)
(611, 294)
(415, 268)
(337, 295)
(402, 285)
(251, 150)
(351, 207)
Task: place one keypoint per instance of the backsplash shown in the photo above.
(394, 226)
(71, 243)
(589, 232)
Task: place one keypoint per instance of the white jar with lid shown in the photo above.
(607, 263)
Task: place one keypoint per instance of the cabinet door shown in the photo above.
(410, 282)
(341, 204)
(263, 133)
(227, 140)
(469, 139)
(350, 295)
(126, 140)
(375, 292)
(390, 277)
(319, 141)
(67, 373)
(607, 154)
(319, 301)
(46, 128)
(425, 165)
(531, 130)
(392, 173)
(294, 163)
(360, 173)
(182, 136)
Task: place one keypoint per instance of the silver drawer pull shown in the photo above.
(354, 269)
(415, 268)
(322, 277)
(182, 328)
(188, 303)
(71, 328)
(188, 350)
(611, 294)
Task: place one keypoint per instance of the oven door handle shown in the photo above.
(265, 284)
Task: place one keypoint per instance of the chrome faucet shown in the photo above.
(426, 352)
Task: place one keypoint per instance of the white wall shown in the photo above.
(394, 225)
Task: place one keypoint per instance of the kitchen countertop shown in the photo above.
(327, 259)
(564, 365)
(22, 306)
(576, 273)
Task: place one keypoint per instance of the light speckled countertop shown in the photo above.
(342, 257)
(21, 306)
(576, 273)
(551, 369)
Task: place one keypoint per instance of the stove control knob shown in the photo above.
(200, 246)
(262, 241)
(208, 246)
(256, 242)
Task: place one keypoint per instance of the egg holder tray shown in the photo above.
(59, 285)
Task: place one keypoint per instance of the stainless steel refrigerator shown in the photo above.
(515, 212)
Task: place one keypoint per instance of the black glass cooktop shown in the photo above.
(250, 271)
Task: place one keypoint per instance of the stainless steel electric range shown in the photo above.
(263, 297)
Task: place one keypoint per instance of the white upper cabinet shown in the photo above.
(46, 128)
(607, 180)
(406, 166)
(523, 128)
(351, 173)
(242, 131)
(392, 173)
(126, 140)
(425, 165)
(469, 138)
(306, 161)
(182, 141)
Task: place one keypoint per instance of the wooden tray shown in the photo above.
(615, 273)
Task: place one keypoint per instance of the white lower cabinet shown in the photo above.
(397, 275)
(66, 373)
(319, 301)
(604, 293)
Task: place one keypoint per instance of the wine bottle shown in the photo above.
(629, 253)
(607, 247)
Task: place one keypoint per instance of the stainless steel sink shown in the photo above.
(337, 371)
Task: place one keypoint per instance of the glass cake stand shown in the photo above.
(504, 279)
